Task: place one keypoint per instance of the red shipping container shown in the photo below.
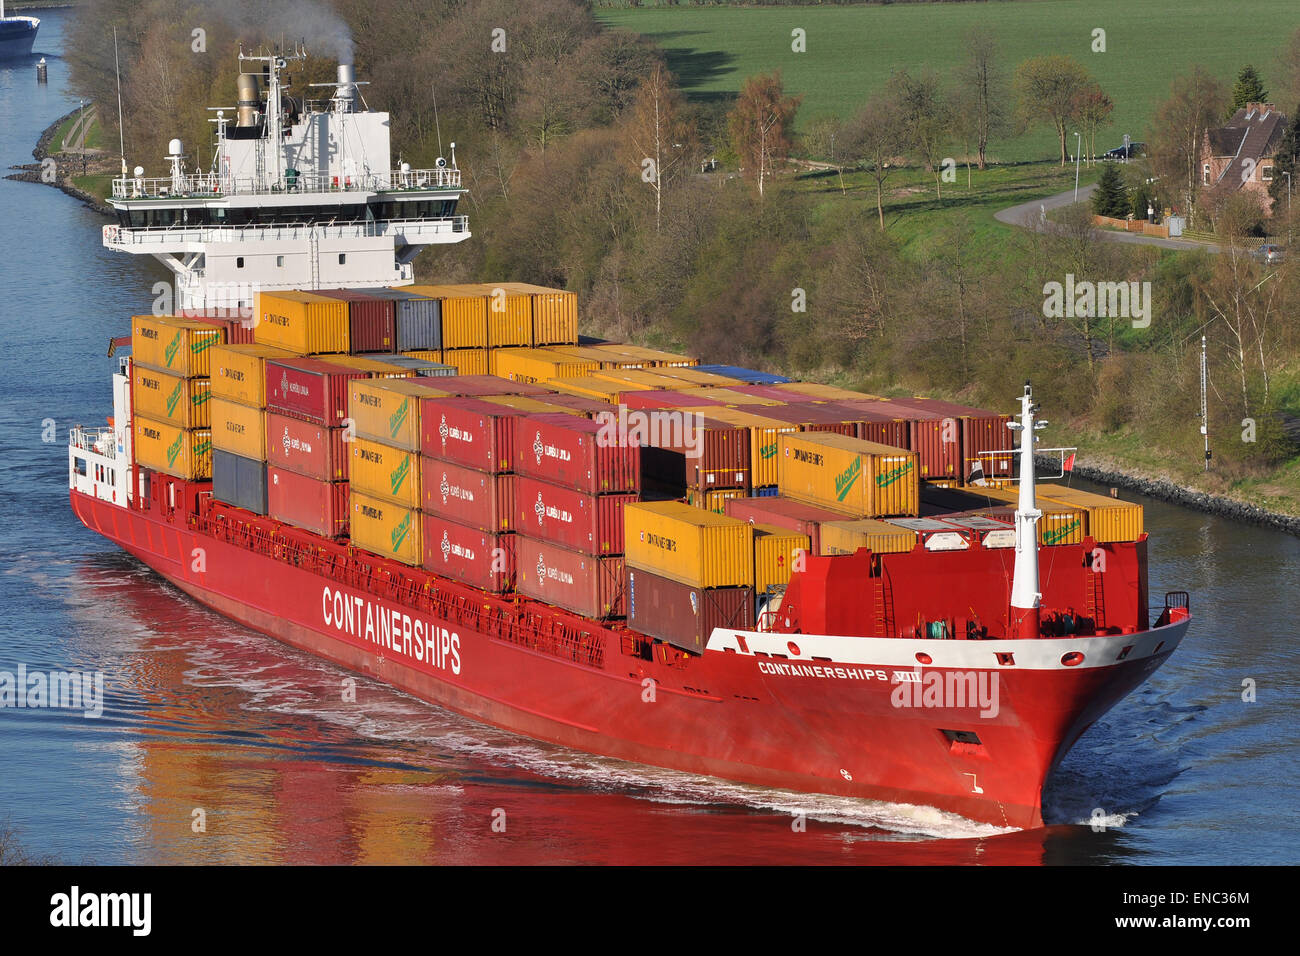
(372, 322)
(467, 431)
(306, 448)
(587, 585)
(478, 558)
(472, 385)
(682, 615)
(660, 398)
(702, 453)
(981, 431)
(475, 498)
(935, 438)
(309, 389)
(308, 503)
(814, 417)
(576, 453)
(874, 425)
(592, 524)
(785, 513)
(767, 391)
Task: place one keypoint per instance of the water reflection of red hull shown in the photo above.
(723, 716)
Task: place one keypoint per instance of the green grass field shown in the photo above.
(851, 51)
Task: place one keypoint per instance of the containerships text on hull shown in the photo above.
(610, 548)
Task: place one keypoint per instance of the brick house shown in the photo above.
(1239, 154)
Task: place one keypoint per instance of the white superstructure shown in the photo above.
(302, 194)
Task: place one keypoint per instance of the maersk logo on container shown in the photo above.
(657, 427)
(391, 628)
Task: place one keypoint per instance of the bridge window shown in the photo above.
(239, 262)
(343, 258)
(279, 262)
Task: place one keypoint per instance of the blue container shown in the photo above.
(239, 481)
(423, 368)
(769, 491)
(419, 318)
(749, 375)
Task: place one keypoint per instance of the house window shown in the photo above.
(239, 262)
(1266, 173)
(343, 258)
(1207, 174)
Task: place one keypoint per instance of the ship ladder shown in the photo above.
(1096, 601)
(880, 598)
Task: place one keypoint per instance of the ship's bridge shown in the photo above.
(301, 194)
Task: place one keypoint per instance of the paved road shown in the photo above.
(1028, 214)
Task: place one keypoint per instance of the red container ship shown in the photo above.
(952, 675)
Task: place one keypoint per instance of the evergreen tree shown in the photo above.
(1249, 88)
(1111, 197)
(1284, 161)
(1142, 198)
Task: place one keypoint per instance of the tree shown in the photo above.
(661, 137)
(1194, 105)
(924, 118)
(876, 134)
(1284, 161)
(1047, 90)
(983, 93)
(761, 123)
(1093, 109)
(1249, 88)
(1111, 198)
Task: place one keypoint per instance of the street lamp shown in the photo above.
(1288, 206)
(1078, 145)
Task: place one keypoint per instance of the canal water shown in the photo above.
(206, 722)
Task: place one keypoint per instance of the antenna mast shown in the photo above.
(121, 133)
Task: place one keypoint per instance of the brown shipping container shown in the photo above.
(591, 586)
(874, 425)
(308, 503)
(467, 431)
(935, 438)
(475, 498)
(302, 322)
(698, 452)
(981, 431)
(309, 389)
(238, 329)
(785, 513)
(239, 372)
(682, 615)
(307, 448)
(372, 322)
(811, 417)
(575, 453)
(592, 524)
(478, 558)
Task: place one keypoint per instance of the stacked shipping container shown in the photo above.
(171, 392)
(239, 471)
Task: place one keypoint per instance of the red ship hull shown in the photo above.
(786, 720)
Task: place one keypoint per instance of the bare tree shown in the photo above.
(661, 138)
(925, 117)
(1047, 90)
(876, 134)
(983, 94)
(761, 124)
(1195, 104)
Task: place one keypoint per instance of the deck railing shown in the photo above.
(205, 185)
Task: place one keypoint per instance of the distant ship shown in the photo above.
(17, 34)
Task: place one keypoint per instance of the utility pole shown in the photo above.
(1078, 145)
(1205, 416)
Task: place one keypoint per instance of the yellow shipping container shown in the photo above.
(464, 314)
(825, 393)
(239, 429)
(1061, 523)
(864, 478)
(467, 361)
(1109, 519)
(777, 551)
(588, 353)
(725, 396)
(555, 313)
(239, 372)
(429, 355)
(510, 315)
(589, 386)
(714, 500)
(538, 365)
(639, 377)
(369, 365)
(302, 322)
(180, 346)
(385, 472)
(531, 406)
(695, 378)
(388, 409)
(658, 357)
(180, 452)
(618, 353)
(690, 545)
(764, 439)
(170, 398)
(385, 528)
(846, 537)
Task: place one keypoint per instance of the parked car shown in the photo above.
(1269, 252)
(1134, 149)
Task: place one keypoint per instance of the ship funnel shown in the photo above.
(249, 99)
(347, 80)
